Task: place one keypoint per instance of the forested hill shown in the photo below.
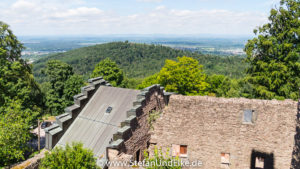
(139, 60)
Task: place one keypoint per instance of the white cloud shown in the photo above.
(46, 17)
(161, 7)
(149, 0)
(23, 4)
(24, 7)
(78, 12)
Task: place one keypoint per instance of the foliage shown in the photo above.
(148, 81)
(215, 81)
(138, 60)
(72, 87)
(10, 47)
(74, 156)
(14, 131)
(153, 116)
(184, 77)
(110, 71)
(222, 86)
(20, 102)
(62, 86)
(160, 158)
(16, 79)
(273, 55)
(131, 83)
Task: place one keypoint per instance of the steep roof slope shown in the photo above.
(94, 126)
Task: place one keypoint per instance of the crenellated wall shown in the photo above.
(63, 121)
(134, 136)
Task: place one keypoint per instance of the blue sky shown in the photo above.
(103, 17)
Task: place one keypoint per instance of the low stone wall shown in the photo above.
(63, 121)
(32, 163)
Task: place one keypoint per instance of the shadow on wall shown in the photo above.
(261, 160)
(295, 163)
(296, 151)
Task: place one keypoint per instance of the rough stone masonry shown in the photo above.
(217, 131)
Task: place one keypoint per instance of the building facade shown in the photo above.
(235, 133)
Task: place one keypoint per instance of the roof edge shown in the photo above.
(64, 120)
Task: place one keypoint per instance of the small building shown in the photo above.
(105, 117)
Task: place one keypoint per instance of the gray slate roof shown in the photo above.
(93, 126)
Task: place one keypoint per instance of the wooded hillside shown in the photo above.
(139, 60)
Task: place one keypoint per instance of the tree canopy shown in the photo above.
(16, 79)
(14, 131)
(10, 47)
(273, 55)
(62, 86)
(138, 60)
(110, 71)
(20, 98)
(72, 156)
(184, 77)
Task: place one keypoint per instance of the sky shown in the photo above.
(115, 17)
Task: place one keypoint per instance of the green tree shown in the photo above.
(74, 156)
(273, 55)
(222, 86)
(20, 98)
(16, 79)
(57, 73)
(184, 77)
(72, 87)
(215, 82)
(10, 47)
(62, 86)
(14, 131)
(148, 81)
(131, 83)
(110, 71)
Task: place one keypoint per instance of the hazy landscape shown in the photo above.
(37, 47)
(87, 83)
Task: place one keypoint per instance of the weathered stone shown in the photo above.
(210, 126)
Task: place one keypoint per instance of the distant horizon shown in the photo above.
(192, 36)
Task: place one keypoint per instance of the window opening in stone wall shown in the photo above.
(225, 160)
(183, 149)
(137, 156)
(248, 116)
(179, 150)
(259, 162)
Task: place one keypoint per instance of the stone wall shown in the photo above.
(133, 135)
(32, 163)
(295, 164)
(63, 121)
(210, 126)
